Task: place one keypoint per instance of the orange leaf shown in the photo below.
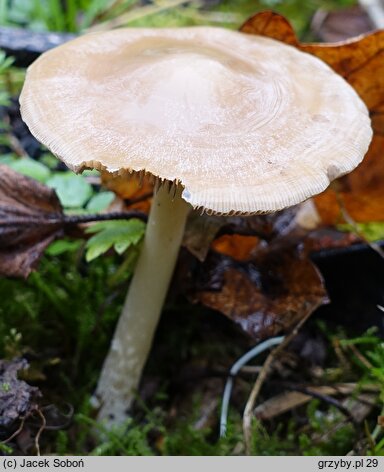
(135, 191)
(237, 246)
(360, 61)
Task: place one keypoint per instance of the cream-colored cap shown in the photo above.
(244, 123)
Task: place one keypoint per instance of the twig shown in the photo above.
(42, 427)
(360, 356)
(346, 365)
(250, 369)
(239, 364)
(125, 215)
(249, 407)
(19, 429)
(67, 417)
(72, 219)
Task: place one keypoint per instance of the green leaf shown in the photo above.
(5, 61)
(96, 249)
(7, 159)
(62, 246)
(31, 168)
(3, 11)
(73, 190)
(100, 201)
(121, 246)
(119, 234)
(49, 160)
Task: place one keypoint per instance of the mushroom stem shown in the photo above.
(132, 340)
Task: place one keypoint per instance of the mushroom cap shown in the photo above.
(244, 123)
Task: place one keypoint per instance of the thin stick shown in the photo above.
(360, 356)
(72, 219)
(125, 215)
(19, 429)
(42, 427)
(249, 407)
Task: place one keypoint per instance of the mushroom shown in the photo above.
(225, 122)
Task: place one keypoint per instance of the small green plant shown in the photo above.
(5, 70)
(4, 449)
(120, 235)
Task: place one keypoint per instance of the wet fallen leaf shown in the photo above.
(360, 61)
(268, 294)
(17, 398)
(258, 270)
(29, 222)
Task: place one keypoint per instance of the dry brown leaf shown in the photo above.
(360, 61)
(30, 215)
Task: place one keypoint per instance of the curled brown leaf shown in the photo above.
(30, 219)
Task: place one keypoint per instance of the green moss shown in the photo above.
(64, 312)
